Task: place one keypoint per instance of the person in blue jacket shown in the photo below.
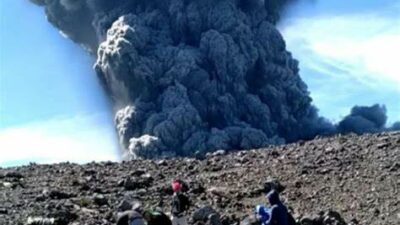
(262, 214)
(278, 213)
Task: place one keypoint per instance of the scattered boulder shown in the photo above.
(124, 205)
(138, 172)
(306, 221)
(199, 155)
(3, 211)
(40, 221)
(250, 220)
(133, 183)
(324, 218)
(14, 174)
(129, 184)
(203, 213)
(41, 197)
(63, 216)
(197, 188)
(220, 152)
(57, 194)
(100, 200)
(162, 162)
(206, 215)
(9, 185)
(85, 202)
(332, 218)
(213, 219)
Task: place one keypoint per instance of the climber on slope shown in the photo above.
(278, 212)
(180, 204)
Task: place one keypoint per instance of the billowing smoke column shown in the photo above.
(192, 76)
(363, 119)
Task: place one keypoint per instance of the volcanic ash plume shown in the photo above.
(192, 76)
(364, 119)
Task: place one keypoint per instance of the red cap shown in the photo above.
(176, 186)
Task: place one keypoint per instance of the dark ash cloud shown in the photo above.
(366, 119)
(192, 76)
(395, 126)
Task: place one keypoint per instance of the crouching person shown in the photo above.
(278, 213)
(131, 217)
(180, 204)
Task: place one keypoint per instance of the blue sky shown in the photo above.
(53, 109)
(348, 52)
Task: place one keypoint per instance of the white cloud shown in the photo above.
(80, 139)
(348, 57)
(366, 46)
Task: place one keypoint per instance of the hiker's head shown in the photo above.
(273, 197)
(176, 186)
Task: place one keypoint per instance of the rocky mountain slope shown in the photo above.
(357, 176)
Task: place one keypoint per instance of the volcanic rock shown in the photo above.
(348, 174)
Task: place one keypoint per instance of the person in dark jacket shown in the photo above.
(130, 217)
(180, 204)
(156, 217)
(278, 212)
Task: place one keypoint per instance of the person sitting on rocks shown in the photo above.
(156, 217)
(278, 212)
(131, 217)
(180, 204)
(262, 214)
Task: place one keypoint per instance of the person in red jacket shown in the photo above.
(180, 204)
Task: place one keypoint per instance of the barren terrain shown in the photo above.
(357, 176)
